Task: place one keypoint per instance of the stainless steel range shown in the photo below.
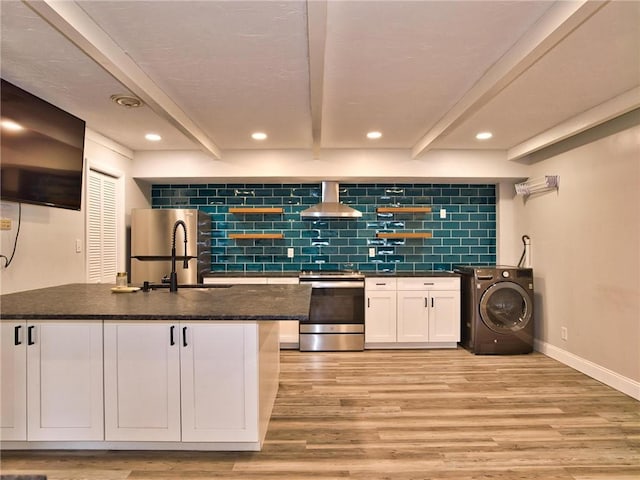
(336, 318)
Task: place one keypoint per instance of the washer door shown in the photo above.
(505, 307)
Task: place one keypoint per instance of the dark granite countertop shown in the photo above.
(96, 301)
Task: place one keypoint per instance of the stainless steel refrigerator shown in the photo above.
(151, 241)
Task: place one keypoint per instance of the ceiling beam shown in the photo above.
(317, 39)
(597, 115)
(558, 22)
(72, 21)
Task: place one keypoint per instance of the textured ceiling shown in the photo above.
(399, 66)
(319, 75)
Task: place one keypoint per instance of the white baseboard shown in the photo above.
(106, 445)
(408, 345)
(608, 377)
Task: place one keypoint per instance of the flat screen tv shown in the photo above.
(42, 151)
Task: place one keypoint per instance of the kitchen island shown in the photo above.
(197, 369)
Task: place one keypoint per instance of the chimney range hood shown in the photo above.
(330, 206)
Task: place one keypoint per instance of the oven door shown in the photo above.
(336, 317)
(337, 302)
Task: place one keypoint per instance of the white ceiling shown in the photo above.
(319, 75)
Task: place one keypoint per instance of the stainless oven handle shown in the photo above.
(329, 284)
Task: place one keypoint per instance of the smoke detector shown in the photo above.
(127, 101)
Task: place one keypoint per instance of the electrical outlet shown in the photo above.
(563, 333)
(372, 252)
(5, 224)
(289, 252)
(443, 213)
(78, 245)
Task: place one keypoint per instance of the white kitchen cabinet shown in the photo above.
(13, 380)
(289, 329)
(218, 398)
(444, 316)
(65, 380)
(52, 381)
(142, 381)
(412, 312)
(188, 381)
(413, 317)
(380, 312)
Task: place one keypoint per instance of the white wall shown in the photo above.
(45, 254)
(586, 256)
(509, 228)
(46, 249)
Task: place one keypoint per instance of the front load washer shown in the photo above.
(497, 309)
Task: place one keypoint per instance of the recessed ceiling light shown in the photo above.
(259, 136)
(128, 101)
(153, 137)
(11, 126)
(484, 135)
(374, 135)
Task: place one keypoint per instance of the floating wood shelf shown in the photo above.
(256, 210)
(245, 236)
(403, 209)
(404, 235)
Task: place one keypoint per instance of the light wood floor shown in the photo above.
(435, 414)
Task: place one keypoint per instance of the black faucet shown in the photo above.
(173, 278)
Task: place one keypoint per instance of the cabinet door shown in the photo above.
(64, 381)
(219, 382)
(380, 317)
(444, 316)
(142, 381)
(413, 321)
(13, 380)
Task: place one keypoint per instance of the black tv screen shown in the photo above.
(42, 150)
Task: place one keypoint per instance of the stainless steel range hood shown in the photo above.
(330, 206)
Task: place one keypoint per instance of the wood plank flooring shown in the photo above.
(401, 415)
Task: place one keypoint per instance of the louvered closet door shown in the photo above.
(101, 228)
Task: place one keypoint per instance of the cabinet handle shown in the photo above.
(30, 340)
(368, 303)
(171, 339)
(428, 283)
(380, 284)
(16, 335)
(184, 336)
(425, 302)
(432, 304)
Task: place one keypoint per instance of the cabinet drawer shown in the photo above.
(429, 283)
(380, 283)
(235, 280)
(282, 280)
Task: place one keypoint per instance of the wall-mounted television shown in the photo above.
(42, 151)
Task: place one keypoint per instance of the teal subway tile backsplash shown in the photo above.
(466, 236)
